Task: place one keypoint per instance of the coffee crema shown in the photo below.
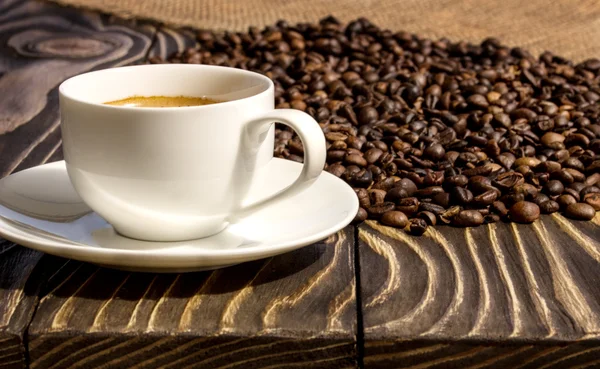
(162, 101)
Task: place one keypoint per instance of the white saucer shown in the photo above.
(40, 209)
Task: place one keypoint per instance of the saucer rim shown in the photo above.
(43, 244)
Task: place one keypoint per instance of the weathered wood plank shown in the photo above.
(296, 310)
(40, 46)
(508, 286)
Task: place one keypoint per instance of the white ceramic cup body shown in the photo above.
(168, 174)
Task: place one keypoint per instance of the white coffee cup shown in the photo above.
(177, 173)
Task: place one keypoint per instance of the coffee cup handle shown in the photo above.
(312, 138)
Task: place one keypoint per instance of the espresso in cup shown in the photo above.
(162, 101)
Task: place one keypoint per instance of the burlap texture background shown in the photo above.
(570, 28)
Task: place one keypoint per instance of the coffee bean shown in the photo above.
(355, 159)
(549, 207)
(361, 216)
(442, 199)
(540, 198)
(394, 219)
(572, 192)
(550, 138)
(428, 192)
(468, 218)
(395, 194)
(491, 218)
(428, 216)
(376, 211)
(377, 196)
(363, 197)
(373, 155)
(409, 186)
(580, 211)
(486, 198)
(565, 200)
(418, 226)
(460, 196)
(434, 152)
(367, 115)
(524, 212)
(592, 199)
(589, 189)
(336, 169)
(527, 161)
(499, 208)
(408, 205)
(554, 187)
(432, 208)
(508, 180)
(384, 184)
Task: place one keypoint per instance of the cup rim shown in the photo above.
(71, 96)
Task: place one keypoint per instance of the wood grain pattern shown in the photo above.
(508, 285)
(17, 301)
(41, 45)
(168, 41)
(296, 309)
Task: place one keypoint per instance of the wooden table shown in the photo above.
(498, 296)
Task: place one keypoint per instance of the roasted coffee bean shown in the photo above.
(468, 218)
(540, 198)
(565, 200)
(460, 196)
(361, 216)
(336, 169)
(418, 226)
(524, 212)
(428, 192)
(508, 180)
(549, 207)
(527, 190)
(491, 218)
(572, 192)
(434, 152)
(413, 117)
(486, 198)
(551, 138)
(363, 178)
(456, 181)
(377, 196)
(554, 187)
(408, 205)
(580, 211)
(432, 208)
(385, 184)
(527, 161)
(447, 216)
(428, 216)
(394, 219)
(592, 199)
(442, 199)
(363, 197)
(589, 189)
(499, 208)
(406, 184)
(395, 194)
(376, 211)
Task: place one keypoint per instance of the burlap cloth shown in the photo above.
(570, 28)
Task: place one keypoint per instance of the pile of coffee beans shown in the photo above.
(431, 132)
